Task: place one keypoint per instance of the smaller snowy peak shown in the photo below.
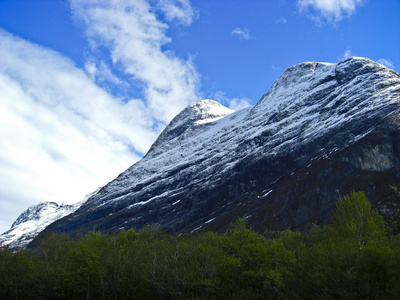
(33, 220)
(35, 212)
(209, 110)
(191, 118)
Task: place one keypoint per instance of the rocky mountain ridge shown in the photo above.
(321, 131)
(211, 165)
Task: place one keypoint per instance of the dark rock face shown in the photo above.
(321, 131)
(309, 194)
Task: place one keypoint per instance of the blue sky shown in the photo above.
(87, 86)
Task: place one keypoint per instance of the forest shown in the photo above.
(357, 256)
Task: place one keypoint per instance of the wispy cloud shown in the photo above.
(385, 62)
(134, 37)
(347, 54)
(331, 11)
(179, 10)
(242, 34)
(99, 71)
(62, 133)
(275, 67)
(281, 21)
(232, 103)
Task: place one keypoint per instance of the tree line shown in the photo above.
(355, 257)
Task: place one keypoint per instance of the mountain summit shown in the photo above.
(320, 132)
(32, 221)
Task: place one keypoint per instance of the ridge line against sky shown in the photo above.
(86, 86)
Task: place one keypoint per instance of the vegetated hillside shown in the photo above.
(321, 131)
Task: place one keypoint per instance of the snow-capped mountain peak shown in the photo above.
(320, 132)
(34, 220)
(36, 212)
(189, 121)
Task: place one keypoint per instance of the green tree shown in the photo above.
(350, 259)
(80, 272)
(354, 219)
(253, 267)
(50, 257)
(204, 257)
(108, 253)
(17, 277)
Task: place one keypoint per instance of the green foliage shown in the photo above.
(252, 266)
(393, 222)
(353, 219)
(353, 258)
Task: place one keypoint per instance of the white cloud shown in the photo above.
(346, 54)
(330, 10)
(239, 103)
(281, 21)
(232, 103)
(100, 72)
(386, 63)
(242, 34)
(275, 67)
(179, 10)
(61, 136)
(134, 36)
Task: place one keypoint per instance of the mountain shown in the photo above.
(320, 132)
(34, 220)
